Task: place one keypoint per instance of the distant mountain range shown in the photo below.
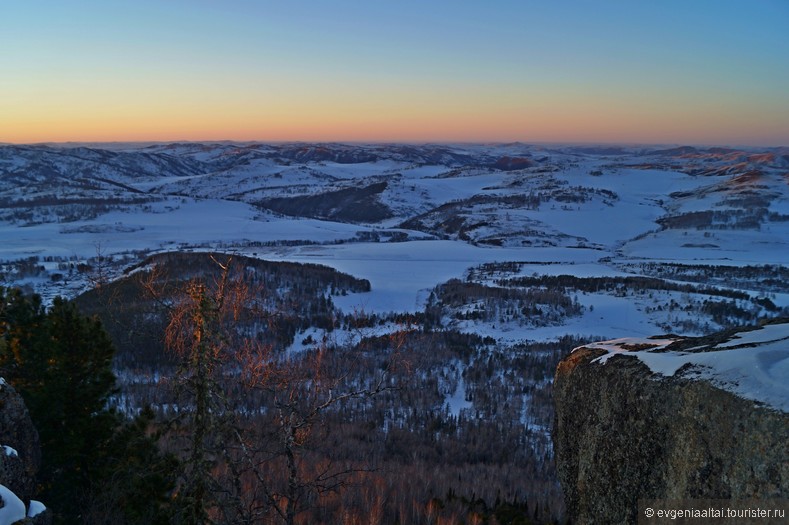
(497, 258)
(624, 204)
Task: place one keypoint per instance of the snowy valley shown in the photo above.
(498, 258)
(409, 218)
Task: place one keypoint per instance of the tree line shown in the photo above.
(341, 433)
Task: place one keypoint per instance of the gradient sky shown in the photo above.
(689, 71)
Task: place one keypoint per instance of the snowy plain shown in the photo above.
(566, 213)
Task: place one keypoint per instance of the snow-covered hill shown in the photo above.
(526, 251)
(409, 217)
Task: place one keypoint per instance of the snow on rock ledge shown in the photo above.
(12, 509)
(20, 454)
(19, 461)
(672, 418)
(36, 509)
(753, 364)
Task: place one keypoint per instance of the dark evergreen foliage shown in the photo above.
(612, 284)
(60, 362)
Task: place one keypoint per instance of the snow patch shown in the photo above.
(36, 508)
(13, 509)
(753, 365)
(768, 334)
(457, 402)
(627, 346)
(10, 451)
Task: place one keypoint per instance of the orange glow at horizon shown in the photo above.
(447, 120)
(628, 72)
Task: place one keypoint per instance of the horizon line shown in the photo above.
(388, 142)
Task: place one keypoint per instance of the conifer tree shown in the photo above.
(69, 405)
(60, 362)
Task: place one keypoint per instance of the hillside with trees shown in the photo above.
(404, 425)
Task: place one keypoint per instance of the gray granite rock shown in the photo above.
(623, 433)
(20, 453)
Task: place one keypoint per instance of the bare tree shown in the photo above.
(246, 464)
(98, 274)
(199, 333)
(300, 391)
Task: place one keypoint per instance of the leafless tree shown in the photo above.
(243, 467)
(199, 333)
(300, 391)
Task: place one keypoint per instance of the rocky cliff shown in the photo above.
(672, 418)
(20, 457)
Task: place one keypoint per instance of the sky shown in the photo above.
(597, 71)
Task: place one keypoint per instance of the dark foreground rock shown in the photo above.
(20, 457)
(624, 433)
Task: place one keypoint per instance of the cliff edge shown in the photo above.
(20, 457)
(672, 418)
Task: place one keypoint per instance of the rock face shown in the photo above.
(20, 455)
(631, 427)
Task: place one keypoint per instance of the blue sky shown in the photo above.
(700, 71)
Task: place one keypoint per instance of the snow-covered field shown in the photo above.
(204, 197)
(409, 218)
(402, 274)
